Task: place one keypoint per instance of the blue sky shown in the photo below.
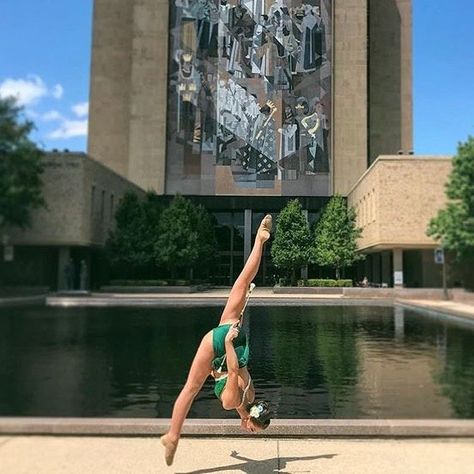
(45, 53)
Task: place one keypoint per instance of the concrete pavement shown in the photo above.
(51, 455)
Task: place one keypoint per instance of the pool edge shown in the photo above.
(391, 428)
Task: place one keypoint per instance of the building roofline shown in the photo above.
(405, 158)
(85, 156)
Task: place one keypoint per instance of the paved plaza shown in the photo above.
(51, 455)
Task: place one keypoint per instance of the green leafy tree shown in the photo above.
(205, 227)
(291, 245)
(335, 236)
(454, 225)
(20, 167)
(130, 245)
(178, 243)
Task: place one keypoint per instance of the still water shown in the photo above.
(309, 362)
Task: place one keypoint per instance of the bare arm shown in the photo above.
(231, 356)
(231, 395)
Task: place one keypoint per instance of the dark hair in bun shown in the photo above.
(262, 413)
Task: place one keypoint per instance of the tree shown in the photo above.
(205, 226)
(178, 243)
(20, 167)
(335, 236)
(291, 246)
(130, 245)
(454, 225)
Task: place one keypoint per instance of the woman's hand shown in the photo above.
(233, 332)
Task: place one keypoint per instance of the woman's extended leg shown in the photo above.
(237, 295)
(198, 373)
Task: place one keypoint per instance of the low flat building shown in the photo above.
(395, 199)
(81, 199)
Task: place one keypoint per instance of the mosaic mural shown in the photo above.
(250, 89)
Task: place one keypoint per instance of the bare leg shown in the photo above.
(200, 370)
(237, 295)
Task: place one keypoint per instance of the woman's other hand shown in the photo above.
(233, 332)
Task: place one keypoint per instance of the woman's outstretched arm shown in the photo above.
(231, 395)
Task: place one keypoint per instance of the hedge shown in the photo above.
(320, 282)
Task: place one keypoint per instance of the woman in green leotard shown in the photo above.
(223, 354)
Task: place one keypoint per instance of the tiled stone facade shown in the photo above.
(396, 198)
(390, 77)
(81, 196)
(109, 104)
(350, 93)
(127, 121)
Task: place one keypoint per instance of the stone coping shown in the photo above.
(183, 301)
(457, 317)
(224, 427)
(22, 301)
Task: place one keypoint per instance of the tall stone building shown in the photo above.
(243, 104)
(251, 97)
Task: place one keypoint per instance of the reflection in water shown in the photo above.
(457, 374)
(399, 323)
(310, 362)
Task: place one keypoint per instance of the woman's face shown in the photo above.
(252, 427)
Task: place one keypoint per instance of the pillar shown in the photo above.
(399, 322)
(63, 258)
(386, 270)
(398, 268)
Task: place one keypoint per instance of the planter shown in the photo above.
(307, 290)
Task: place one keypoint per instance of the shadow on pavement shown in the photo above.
(264, 466)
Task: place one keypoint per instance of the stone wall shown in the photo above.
(396, 198)
(390, 77)
(127, 121)
(110, 84)
(69, 220)
(350, 93)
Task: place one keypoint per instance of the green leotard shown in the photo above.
(218, 344)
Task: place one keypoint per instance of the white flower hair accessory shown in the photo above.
(256, 410)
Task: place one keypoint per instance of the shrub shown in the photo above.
(321, 282)
(325, 283)
(180, 282)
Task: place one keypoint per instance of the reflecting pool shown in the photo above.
(310, 362)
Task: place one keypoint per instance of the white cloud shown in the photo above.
(52, 116)
(69, 129)
(81, 110)
(29, 91)
(57, 91)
